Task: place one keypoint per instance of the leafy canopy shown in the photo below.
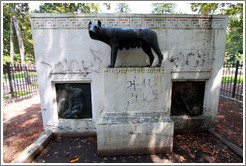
(68, 8)
(122, 8)
(234, 38)
(204, 8)
(164, 8)
(20, 11)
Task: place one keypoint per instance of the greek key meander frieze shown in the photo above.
(134, 118)
(155, 23)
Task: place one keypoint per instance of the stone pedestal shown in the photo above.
(134, 133)
(134, 120)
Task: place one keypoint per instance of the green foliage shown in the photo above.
(20, 93)
(6, 58)
(226, 79)
(5, 97)
(35, 84)
(164, 8)
(27, 39)
(204, 8)
(108, 5)
(20, 75)
(20, 11)
(68, 8)
(122, 8)
(234, 38)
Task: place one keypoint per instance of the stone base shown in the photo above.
(73, 127)
(190, 124)
(136, 133)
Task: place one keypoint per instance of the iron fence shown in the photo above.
(232, 80)
(19, 82)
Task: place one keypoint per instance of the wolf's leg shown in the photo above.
(159, 54)
(114, 50)
(146, 48)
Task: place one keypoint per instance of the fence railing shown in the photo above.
(232, 80)
(19, 82)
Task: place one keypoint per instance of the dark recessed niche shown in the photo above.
(73, 100)
(187, 98)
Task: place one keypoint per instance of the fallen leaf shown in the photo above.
(214, 151)
(182, 158)
(192, 155)
(74, 159)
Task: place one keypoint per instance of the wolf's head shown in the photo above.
(95, 30)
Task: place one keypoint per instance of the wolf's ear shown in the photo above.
(99, 23)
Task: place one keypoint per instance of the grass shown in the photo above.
(5, 97)
(35, 84)
(230, 79)
(17, 93)
(20, 93)
(20, 75)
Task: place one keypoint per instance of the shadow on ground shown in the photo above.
(188, 148)
(22, 127)
(21, 131)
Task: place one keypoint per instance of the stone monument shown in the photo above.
(132, 108)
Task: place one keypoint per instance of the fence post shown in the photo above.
(10, 80)
(27, 77)
(235, 80)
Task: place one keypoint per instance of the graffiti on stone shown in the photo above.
(192, 60)
(142, 91)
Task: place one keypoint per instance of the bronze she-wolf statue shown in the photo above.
(119, 38)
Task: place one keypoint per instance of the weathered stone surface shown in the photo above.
(74, 127)
(189, 124)
(137, 133)
(80, 21)
(133, 118)
(134, 89)
(192, 45)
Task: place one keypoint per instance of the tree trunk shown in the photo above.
(20, 41)
(22, 50)
(11, 44)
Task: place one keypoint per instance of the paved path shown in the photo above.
(19, 108)
(22, 125)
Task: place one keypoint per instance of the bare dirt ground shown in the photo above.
(230, 121)
(187, 148)
(22, 125)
